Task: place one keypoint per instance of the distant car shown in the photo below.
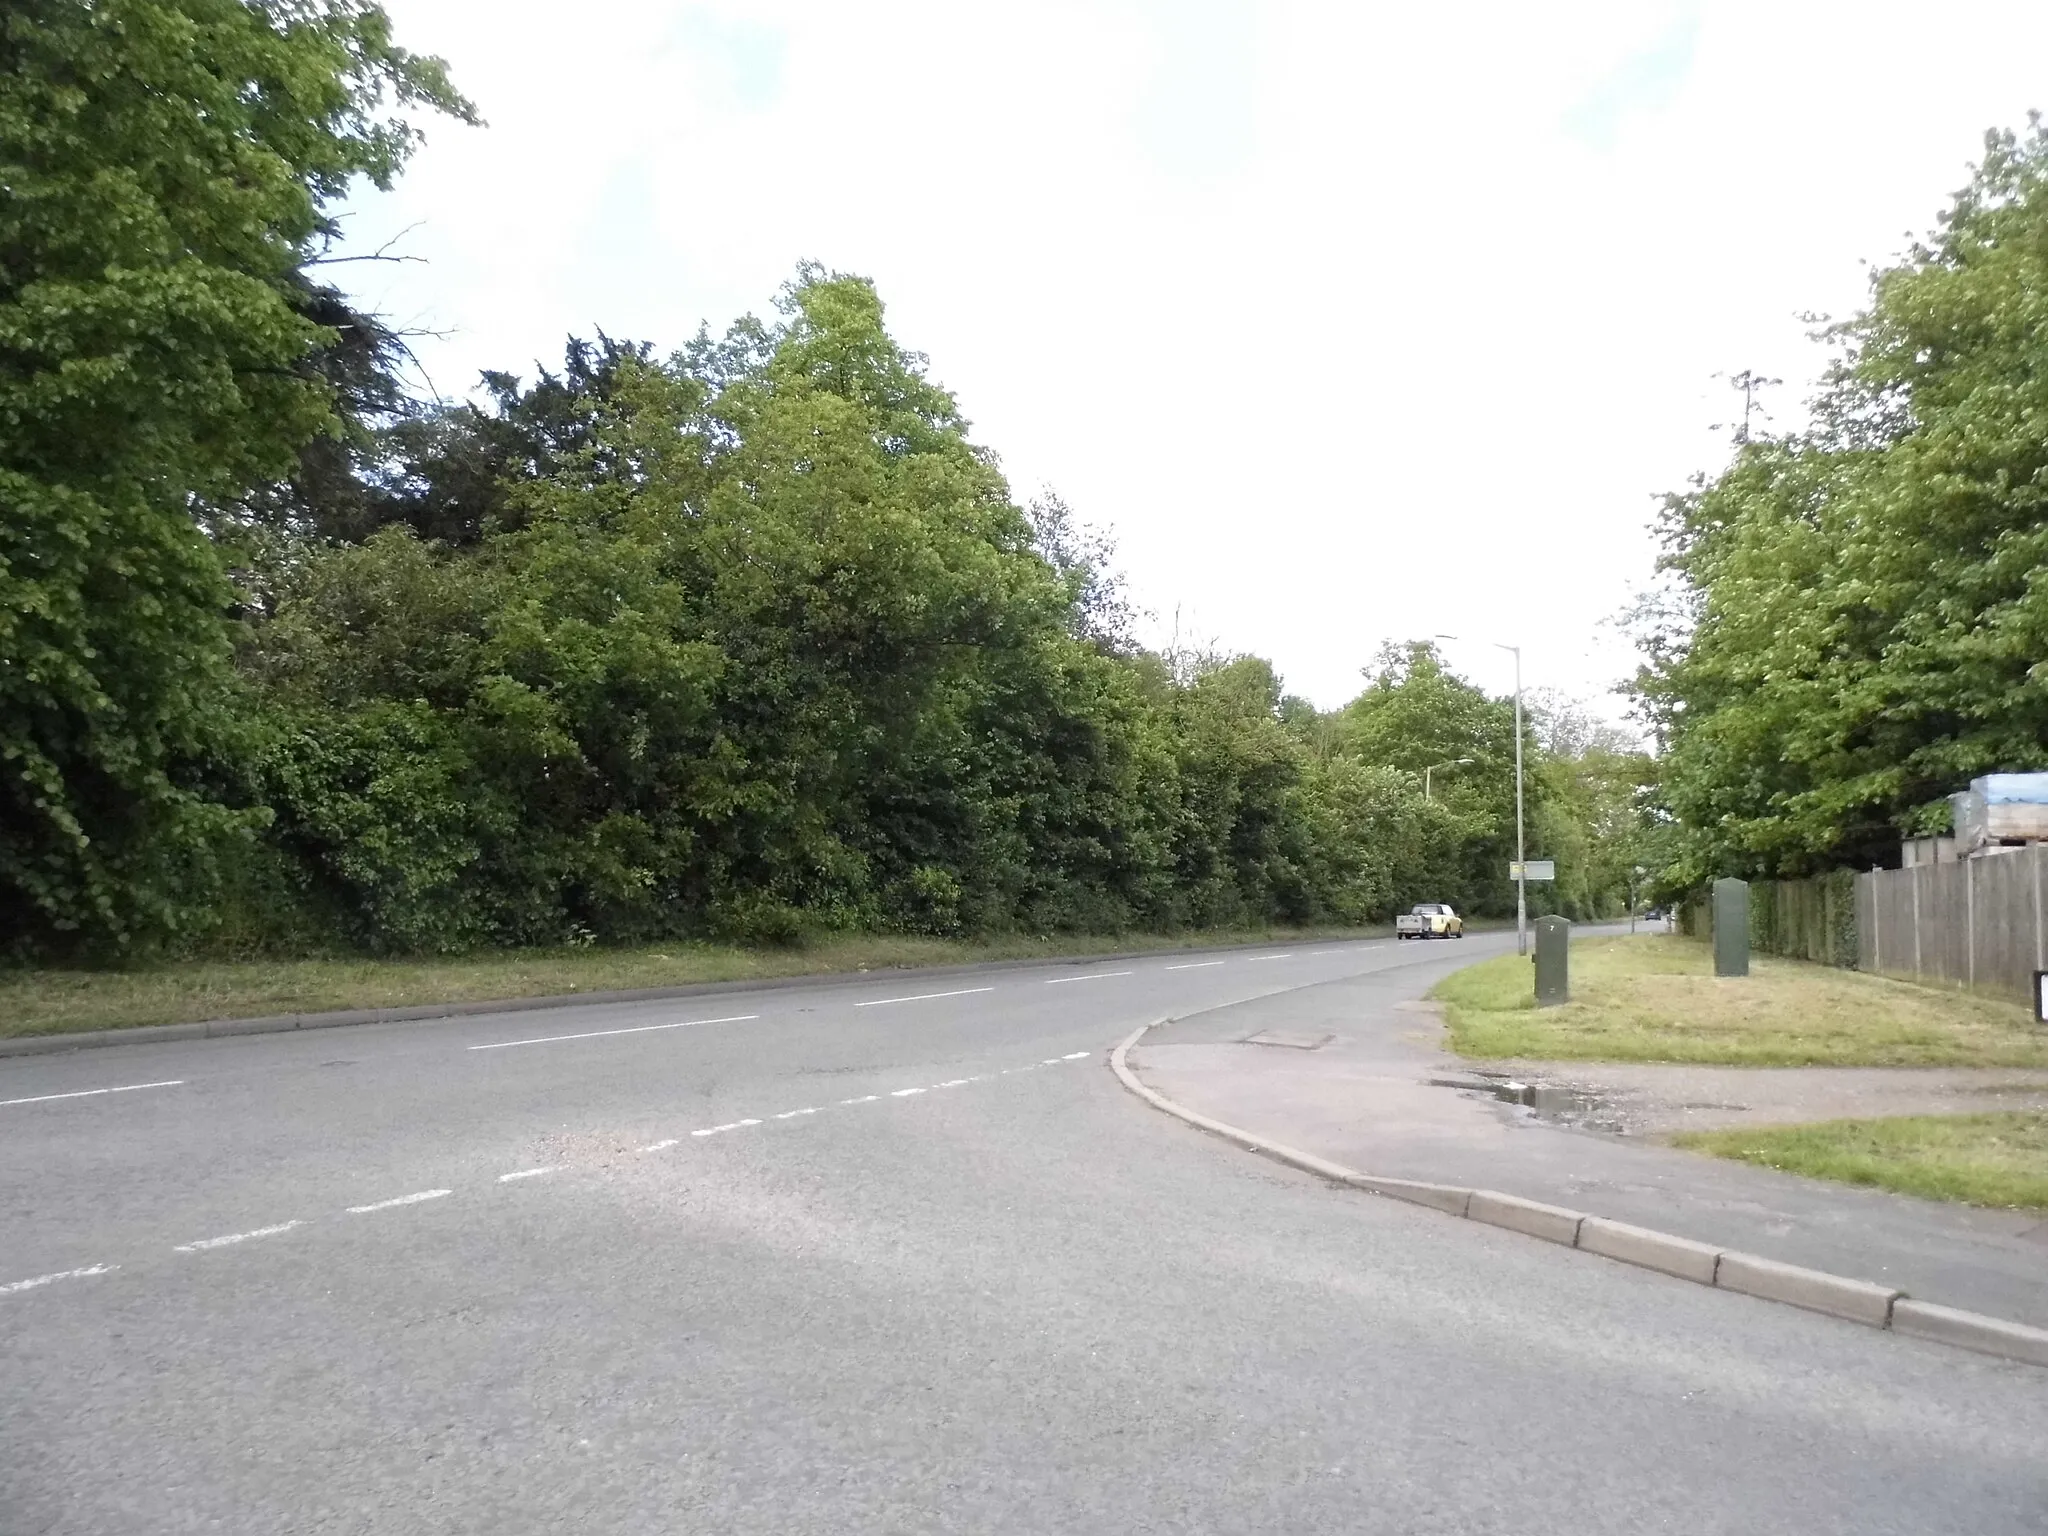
(1429, 920)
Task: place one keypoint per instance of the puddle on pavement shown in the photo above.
(1573, 1107)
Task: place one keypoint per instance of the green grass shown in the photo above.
(1657, 999)
(1995, 1160)
(40, 1002)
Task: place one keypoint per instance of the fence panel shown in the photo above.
(1978, 923)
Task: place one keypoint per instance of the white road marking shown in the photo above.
(876, 1002)
(87, 1093)
(1197, 965)
(414, 1199)
(872, 1098)
(1284, 955)
(235, 1237)
(904, 1093)
(730, 1125)
(791, 1114)
(957, 1082)
(662, 1146)
(62, 1274)
(530, 1173)
(1077, 1056)
(1061, 981)
(596, 1034)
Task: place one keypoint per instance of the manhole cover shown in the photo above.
(1293, 1041)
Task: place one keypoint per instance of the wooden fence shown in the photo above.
(1980, 923)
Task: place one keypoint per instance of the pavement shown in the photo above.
(1356, 1075)
(891, 1256)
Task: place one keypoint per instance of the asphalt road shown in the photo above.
(861, 1259)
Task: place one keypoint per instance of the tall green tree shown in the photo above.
(168, 167)
(1861, 609)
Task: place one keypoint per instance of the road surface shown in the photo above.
(894, 1255)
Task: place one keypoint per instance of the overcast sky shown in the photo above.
(1350, 321)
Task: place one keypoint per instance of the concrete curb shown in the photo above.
(1856, 1301)
(284, 1023)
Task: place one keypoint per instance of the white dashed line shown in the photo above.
(730, 1125)
(235, 1237)
(904, 1093)
(958, 1082)
(1196, 965)
(62, 1274)
(385, 1205)
(872, 1098)
(598, 1034)
(88, 1093)
(528, 1173)
(921, 997)
(1077, 1056)
(1270, 957)
(662, 1146)
(791, 1114)
(1061, 981)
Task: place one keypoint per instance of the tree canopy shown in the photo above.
(1861, 608)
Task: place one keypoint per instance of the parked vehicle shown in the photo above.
(1429, 920)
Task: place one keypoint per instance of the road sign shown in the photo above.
(1539, 869)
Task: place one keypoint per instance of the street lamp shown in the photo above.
(1521, 853)
(1456, 762)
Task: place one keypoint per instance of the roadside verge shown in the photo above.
(1859, 1301)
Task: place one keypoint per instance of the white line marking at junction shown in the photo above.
(235, 1237)
(1061, 981)
(791, 1114)
(1198, 965)
(87, 1093)
(594, 1034)
(876, 1002)
(662, 1146)
(530, 1173)
(62, 1274)
(385, 1205)
(904, 1093)
(872, 1098)
(1077, 1056)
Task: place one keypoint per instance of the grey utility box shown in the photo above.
(1731, 927)
(1553, 961)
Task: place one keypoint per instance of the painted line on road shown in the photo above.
(62, 1274)
(87, 1093)
(791, 1114)
(871, 1098)
(385, 1205)
(1077, 1056)
(235, 1237)
(1284, 955)
(598, 1034)
(662, 1146)
(1061, 981)
(904, 1093)
(529, 1173)
(922, 997)
(730, 1125)
(1195, 965)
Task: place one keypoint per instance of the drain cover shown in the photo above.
(1294, 1042)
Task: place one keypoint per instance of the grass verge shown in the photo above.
(1995, 1160)
(42, 1002)
(1655, 998)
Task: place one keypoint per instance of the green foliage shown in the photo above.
(1861, 610)
(166, 165)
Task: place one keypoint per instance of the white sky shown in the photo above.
(1350, 321)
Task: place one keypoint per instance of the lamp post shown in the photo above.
(1521, 851)
(1456, 762)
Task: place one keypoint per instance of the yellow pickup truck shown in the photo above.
(1429, 920)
